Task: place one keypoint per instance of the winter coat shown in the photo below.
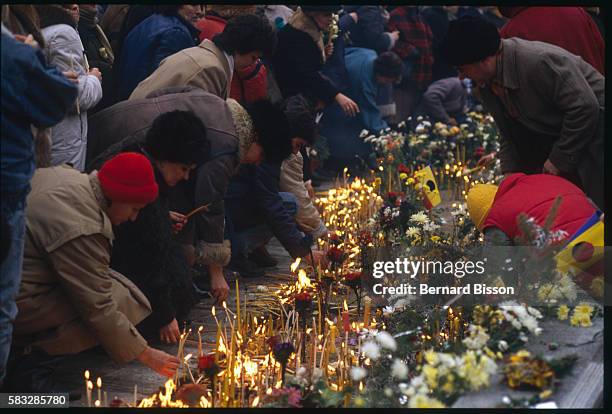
(534, 195)
(299, 58)
(570, 28)
(147, 44)
(257, 186)
(370, 30)
(249, 84)
(33, 93)
(531, 75)
(209, 182)
(414, 46)
(146, 253)
(204, 66)
(64, 50)
(342, 132)
(363, 87)
(335, 66)
(69, 299)
(444, 99)
(292, 181)
(438, 20)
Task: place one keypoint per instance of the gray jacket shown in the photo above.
(64, 50)
(444, 98)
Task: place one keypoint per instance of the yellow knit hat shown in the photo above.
(479, 202)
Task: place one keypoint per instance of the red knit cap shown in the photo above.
(128, 177)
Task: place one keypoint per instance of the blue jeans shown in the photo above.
(247, 240)
(13, 211)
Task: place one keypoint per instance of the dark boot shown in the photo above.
(262, 257)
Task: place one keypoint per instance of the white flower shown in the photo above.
(262, 288)
(413, 232)
(430, 226)
(399, 370)
(478, 337)
(420, 218)
(386, 340)
(371, 350)
(502, 346)
(358, 373)
(364, 133)
(387, 310)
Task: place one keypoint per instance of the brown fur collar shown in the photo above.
(51, 14)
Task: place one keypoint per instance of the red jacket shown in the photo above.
(249, 84)
(570, 28)
(534, 195)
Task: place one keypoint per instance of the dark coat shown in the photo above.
(252, 198)
(438, 20)
(335, 68)
(210, 180)
(32, 94)
(297, 64)
(154, 39)
(369, 32)
(145, 252)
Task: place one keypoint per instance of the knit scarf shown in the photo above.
(88, 17)
(301, 21)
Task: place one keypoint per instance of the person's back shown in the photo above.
(570, 28)
(498, 208)
(154, 39)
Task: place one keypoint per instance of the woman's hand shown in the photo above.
(349, 106)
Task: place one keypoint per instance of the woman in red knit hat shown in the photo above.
(69, 299)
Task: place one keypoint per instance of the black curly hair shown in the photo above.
(272, 129)
(302, 118)
(247, 33)
(178, 136)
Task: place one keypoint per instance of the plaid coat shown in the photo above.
(415, 43)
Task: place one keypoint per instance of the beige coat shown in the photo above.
(292, 181)
(204, 66)
(69, 299)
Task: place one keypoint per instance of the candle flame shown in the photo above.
(86, 374)
(187, 357)
(295, 264)
(255, 402)
(97, 403)
(213, 311)
(99, 382)
(200, 329)
(303, 280)
(89, 385)
(345, 306)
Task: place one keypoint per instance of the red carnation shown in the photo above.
(335, 255)
(303, 297)
(207, 365)
(353, 276)
(479, 152)
(403, 169)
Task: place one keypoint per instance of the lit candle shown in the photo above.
(218, 340)
(456, 323)
(345, 318)
(200, 329)
(87, 385)
(89, 390)
(99, 384)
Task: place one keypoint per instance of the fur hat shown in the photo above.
(470, 40)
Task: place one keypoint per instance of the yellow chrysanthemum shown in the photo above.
(562, 312)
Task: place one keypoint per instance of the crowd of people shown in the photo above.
(148, 148)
